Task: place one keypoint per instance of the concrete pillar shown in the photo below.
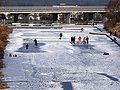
(91, 16)
(68, 18)
(2, 18)
(6, 15)
(15, 18)
(55, 17)
(58, 16)
(26, 18)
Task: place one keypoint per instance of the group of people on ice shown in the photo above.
(73, 39)
(84, 41)
(35, 42)
(61, 35)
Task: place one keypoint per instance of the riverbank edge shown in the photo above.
(4, 35)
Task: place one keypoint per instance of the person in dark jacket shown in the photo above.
(60, 35)
(27, 46)
(115, 33)
(87, 39)
(74, 39)
(71, 40)
(110, 33)
(82, 29)
(35, 41)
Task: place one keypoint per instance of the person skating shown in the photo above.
(61, 35)
(93, 24)
(10, 55)
(79, 39)
(27, 46)
(71, 40)
(74, 39)
(82, 29)
(87, 39)
(35, 41)
(84, 40)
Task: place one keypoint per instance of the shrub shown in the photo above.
(3, 86)
(4, 33)
(2, 65)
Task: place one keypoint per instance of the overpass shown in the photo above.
(51, 9)
(88, 11)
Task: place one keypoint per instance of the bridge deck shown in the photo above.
(52, 9)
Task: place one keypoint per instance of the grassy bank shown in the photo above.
(4, 33)
(114, 29)
(117, 29)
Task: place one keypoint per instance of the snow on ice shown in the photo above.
(57, 64)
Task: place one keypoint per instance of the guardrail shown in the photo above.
(52, 8)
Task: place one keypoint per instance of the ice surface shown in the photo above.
(57, 64)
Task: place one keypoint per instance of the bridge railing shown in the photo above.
(52, 8)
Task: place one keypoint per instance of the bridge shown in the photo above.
(68, 11)
(51, 9)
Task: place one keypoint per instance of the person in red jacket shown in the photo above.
(79, 39)
(84, 39)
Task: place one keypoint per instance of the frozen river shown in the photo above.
(57, 64)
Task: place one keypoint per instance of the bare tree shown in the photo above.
(1, 3)
(113, 9)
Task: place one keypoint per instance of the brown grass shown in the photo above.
(1, 53)
(112, 28)
(1, 75)
(2, 65)
(2, 45)
(117, 29)
(4, 33)
(3, 86)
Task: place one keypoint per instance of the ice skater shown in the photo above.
(71, 40)
(74, 39)
(93, 24)
(35, 41)
(84, 40)
(27, 46)
(10, 55)
(79, 39)
(60, 35)
(82, 29)
(87, 39)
